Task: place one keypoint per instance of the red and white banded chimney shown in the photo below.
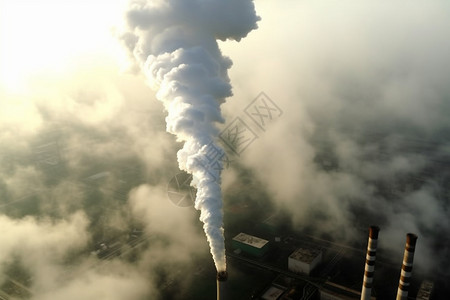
(370, 262)
(405, 276)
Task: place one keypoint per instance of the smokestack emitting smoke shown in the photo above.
(174, 43)
(408, 258)
(370, 262)
(222, 276)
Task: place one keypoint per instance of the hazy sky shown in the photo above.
(364, 130)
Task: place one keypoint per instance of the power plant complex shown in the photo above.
(310, 270)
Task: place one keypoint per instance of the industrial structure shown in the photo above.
(311, 272)
(222, 277)
(250, 244)
(304, 260)
(333, 291)
(425, 291)
(370, 262)
(408, 258)
(272, 293)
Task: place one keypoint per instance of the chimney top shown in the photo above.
(373, 232)
(411, 239)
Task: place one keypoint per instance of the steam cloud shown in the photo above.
(365, 138)
(175, 44)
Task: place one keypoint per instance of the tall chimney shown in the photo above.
(222, 276)
(408, 257)
(370, 262)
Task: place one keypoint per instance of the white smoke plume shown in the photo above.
(174, 43)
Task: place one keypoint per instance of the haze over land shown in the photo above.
(363, 139)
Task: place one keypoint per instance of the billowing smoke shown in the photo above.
(364, 137)
(174, 43)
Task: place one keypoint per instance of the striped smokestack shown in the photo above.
(370, 262)
(408, 257)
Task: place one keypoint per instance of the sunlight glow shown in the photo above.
(48, 35)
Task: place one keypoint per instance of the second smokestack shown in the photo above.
(370, 262)
(408, 258)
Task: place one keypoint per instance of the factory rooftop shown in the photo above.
(305, 255)
(250, 240)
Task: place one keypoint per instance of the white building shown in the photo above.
(304, 260)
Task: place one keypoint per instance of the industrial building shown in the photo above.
(250, 244)
(304, 260)
(425, 291)
(272, 293)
